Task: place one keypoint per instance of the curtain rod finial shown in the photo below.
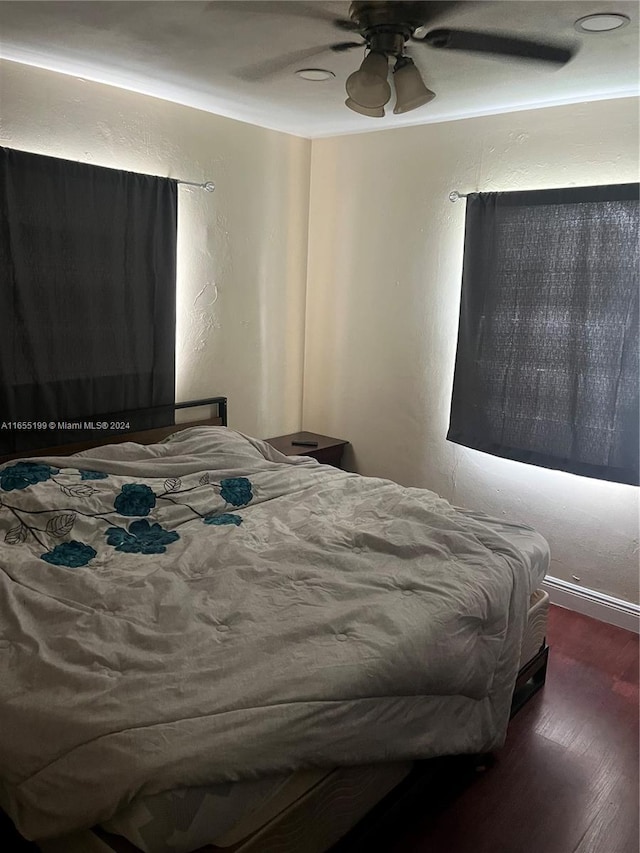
(208, 186)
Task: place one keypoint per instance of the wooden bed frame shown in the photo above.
(426, 781)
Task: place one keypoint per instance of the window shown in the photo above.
(547, 361)
(87, 301)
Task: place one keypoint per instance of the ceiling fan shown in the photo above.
(387, 28)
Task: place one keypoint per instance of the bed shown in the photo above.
(205, 645)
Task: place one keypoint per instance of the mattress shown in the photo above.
(227, 815)
(531, 545)
(536, 628)
(310, 810)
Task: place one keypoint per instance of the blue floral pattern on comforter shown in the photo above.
(45, 520)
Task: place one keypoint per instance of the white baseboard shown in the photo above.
(589, 602)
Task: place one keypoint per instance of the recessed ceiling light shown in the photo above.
(315, 74)
(601, 23)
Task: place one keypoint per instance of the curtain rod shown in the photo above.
(454, 195)
(209, 186)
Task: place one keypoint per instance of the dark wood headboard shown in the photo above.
(147, 436)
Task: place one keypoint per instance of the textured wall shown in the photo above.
(385, 264)
(242, 250)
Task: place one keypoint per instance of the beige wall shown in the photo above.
(385, 263)
(242, 250)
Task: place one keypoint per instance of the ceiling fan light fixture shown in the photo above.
(411, 91)
(376, 64)
(368, 85)
(368, 91)
(373, 112)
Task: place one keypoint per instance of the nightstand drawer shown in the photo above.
(326, 455)
(328, 451)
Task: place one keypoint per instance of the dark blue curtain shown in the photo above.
(547, 360)
(87, 300)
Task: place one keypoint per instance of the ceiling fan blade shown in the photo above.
(478, 42)
(341, 46)
(431, 10)
(284, 7)
(272, 66)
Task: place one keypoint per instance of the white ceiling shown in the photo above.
(197, 53)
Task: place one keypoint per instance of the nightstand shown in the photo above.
(329, 450)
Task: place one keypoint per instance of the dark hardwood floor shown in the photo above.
(566, 780)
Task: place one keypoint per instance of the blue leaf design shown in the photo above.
(24, 474)
(141, 538)
(236, 491)
(72, 554)
(135, 499)
(225, 518)
(93, 475)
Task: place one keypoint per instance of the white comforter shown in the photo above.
(211, 610)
